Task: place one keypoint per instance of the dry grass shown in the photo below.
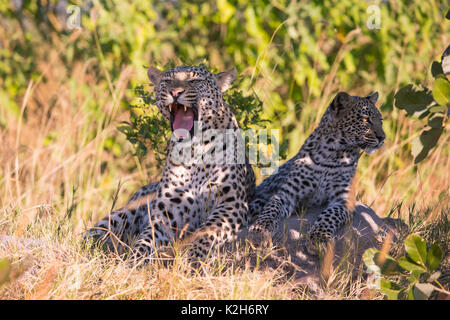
(67, 271)
(57, 179)
(60, 169)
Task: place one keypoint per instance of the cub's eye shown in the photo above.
(368, 120)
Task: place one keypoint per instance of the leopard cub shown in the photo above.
(322, 171)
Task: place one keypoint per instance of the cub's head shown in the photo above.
(358, 120)
(187, 94)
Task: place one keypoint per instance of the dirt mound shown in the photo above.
(367, 231)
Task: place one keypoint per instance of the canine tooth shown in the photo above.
(170, 107)
(185, 108)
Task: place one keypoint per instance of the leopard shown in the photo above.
(320, 174)
(201, 199)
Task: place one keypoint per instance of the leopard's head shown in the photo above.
(358, 121)
(187, 94)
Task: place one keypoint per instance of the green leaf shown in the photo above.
(390, 289)
(434, 276)
(436, 109)
(434, 257)
(226, 10)
(410, 266)
(422, 291)
(415, 276)
(371, 259)
(436, 69)
(388, 266)
(368, 257)
(441, 91)
(416, 248)
(411, 293)
(414, 100)
(421, 146)
(435, 121)
(5, 270)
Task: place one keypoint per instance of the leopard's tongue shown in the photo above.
(183, 119)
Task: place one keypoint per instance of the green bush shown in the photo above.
(423, 103)
(291, 54)
(411, 276)
(147, 127)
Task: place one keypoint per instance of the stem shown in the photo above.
(442, 289)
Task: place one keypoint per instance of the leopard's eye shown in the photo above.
(368, 120)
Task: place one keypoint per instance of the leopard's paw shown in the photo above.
(259, 235)
(317, 242)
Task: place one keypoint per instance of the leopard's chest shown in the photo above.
(204, 184)
(319, 195)
(330, 182)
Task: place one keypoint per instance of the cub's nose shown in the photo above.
(381, 136)
(176, 92)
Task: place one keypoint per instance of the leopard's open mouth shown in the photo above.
(182, 119)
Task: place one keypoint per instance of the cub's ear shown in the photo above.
(373, 97)
(225, 79)
(154, 75)
(341, 102)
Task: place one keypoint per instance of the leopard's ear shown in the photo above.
(373, 97)
(341, 102)
(154, 75)
(225, 79)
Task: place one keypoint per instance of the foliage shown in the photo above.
(147, 127)
(414, 273)
(433, 105)
(65, 91)
(291, 53)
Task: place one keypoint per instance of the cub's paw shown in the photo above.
(318, 242)
(142, 254)
(259, 235)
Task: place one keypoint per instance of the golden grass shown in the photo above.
(67, 271)
(59, 172)
(57, 179)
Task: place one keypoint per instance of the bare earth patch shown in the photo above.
(367, 231)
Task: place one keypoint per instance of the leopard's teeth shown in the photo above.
(185, 108)
(170, 107)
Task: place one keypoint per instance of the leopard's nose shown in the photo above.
(176, 92)
(381, 136)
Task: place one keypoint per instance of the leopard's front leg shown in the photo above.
(162, 223)
(117, 229)
(156, 235)
(328, 222)
(278, 206)
(220, 227)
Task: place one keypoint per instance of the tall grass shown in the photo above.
(62, 160)
(58, 177)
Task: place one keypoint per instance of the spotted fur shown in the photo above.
(322, 171)
(204, 203)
